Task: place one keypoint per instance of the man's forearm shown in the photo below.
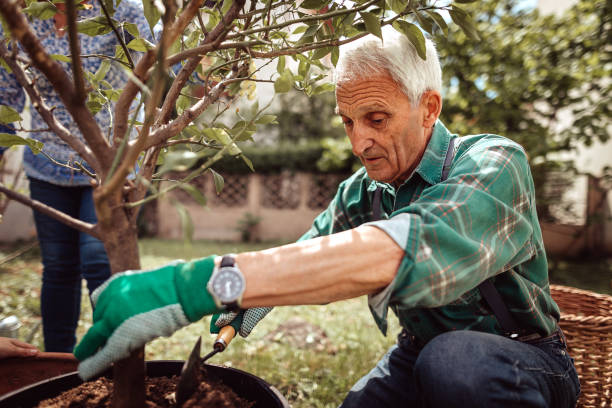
(321, 270)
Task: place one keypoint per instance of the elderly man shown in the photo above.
(441, 229)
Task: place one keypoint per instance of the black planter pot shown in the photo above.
(245, 385)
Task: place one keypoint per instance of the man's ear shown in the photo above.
(431, 101)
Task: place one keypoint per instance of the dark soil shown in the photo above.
(159, 394)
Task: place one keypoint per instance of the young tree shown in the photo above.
(216, 40)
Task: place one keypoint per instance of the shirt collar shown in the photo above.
(430, 166)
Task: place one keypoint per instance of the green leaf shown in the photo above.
(248, 162)
(194, 193)
(303, 67)
(226, 6)
(425, 22)
(120, 55)
(4, 65)
(219, 182)
(151, 13)
(140, 44)
(186, 221)
(102, 71)
(324, 88)
(266, 119)
(60, 57)
(372, 23)
(182, 102)
(41, 9)
(9, 115)
(180, 160)
(94, 26)
(439, 21)
(213, 133)
(284, 82)
(335, 54)
(414, 34)
(313, 4)
(132, 29)
(321, 52)
(221, 136)
(300, 29)
(8, 140)
(397, 5)
(463, 20)
(280, 66)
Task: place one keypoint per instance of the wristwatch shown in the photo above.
(226, 285)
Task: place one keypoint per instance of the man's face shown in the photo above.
(387, 133)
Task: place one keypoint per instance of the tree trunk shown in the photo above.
(120, 237)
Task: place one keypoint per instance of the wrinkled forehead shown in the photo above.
(366, 93)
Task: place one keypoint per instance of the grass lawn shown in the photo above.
(313, 364)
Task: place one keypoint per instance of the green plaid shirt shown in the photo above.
(480, 222)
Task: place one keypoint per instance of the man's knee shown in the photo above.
(452, 367)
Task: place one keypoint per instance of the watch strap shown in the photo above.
(228, 260)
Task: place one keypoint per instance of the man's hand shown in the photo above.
(14, 348)
(243, 322)
(134, 307)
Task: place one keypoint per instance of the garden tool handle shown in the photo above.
(225, 336)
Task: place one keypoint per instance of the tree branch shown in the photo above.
(316, 17)
(214, 38)
(126, 51)
(202, 50)
(184, 19)
(75, 53)
(51, 212)
(18, 24)
(165, 132)
(122, 107)
(39, 104)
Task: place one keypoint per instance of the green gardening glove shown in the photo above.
(134, 307)
(242, 321)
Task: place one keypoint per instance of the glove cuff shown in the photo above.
(191, 279)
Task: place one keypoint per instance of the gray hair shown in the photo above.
(395, 56)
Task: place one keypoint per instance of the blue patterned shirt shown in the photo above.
(11, 93)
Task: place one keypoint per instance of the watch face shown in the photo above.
(228, 285)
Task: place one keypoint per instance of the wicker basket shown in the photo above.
(586, 320)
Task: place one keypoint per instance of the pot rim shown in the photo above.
(150, 365)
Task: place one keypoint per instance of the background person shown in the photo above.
(67, 254)
(453, 213)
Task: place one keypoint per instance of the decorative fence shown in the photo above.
(281, 206)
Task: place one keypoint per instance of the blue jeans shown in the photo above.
(470, 369)
(67, 256)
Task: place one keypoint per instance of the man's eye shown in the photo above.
(347, 122)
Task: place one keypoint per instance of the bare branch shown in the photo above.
(214, 38)
(18, 24)
(75, 53)
(126, 51)
(51, 212)
(202, 50)
(122, 107)
(46, 113)
(315, 17)
(184, 19)
(293, 51)
(165, 132)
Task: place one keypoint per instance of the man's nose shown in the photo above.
(361, 140)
